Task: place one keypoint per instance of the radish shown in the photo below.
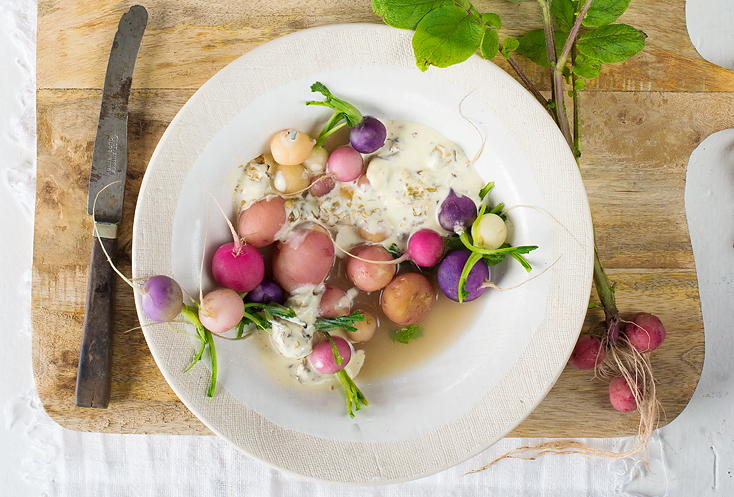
(221, 310)
(645, 332)
(456, 212)
(588, 353)
(425, 247)
(345, 164)
(621, 395)
(162, 298)
(323, 358)
(490, 232)
(241, 271)
(266, 292)
(367, 134)
(450, 274)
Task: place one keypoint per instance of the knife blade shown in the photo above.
(104, 204)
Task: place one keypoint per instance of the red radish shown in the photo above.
(305, 258)
(425, 247)
(221, 310)
(322, 356)
(241, 271)
(345, 164)
(645, 333)
(260, 223)
(621, 396)
(588, 353)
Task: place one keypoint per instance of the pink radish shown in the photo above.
(425, 247)
(345, 164)
(322, 356)
(241, 271)
(221, 310)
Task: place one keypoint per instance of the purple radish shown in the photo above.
(456, 212)
(162, 298)
(266, 292)
(322, 356)
(368, 135)
(449, 274)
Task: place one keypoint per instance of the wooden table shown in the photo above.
(641, 120)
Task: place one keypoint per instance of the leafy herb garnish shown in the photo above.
(406, 333)
(355, 397)
(342, 322)
(343, 111)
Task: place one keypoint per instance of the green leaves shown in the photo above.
(447, 32)
(446, 36)
(612, 43)
(406, 14)
(598, 42)
(603, 12)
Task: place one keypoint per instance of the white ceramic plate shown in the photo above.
(496, 371)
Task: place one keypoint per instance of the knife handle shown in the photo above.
(93, 376)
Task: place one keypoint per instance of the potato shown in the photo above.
(407, 298)
(334, 303)
(304, 258)
(259, 224)
(365, 329)
(366, 276)
(290, 179)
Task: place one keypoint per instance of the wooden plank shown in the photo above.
(188, 41)
(635, 186)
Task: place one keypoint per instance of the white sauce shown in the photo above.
(408, 177)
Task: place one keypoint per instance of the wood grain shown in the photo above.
(640, 122)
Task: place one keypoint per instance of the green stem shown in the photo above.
(605, 290)
(191, 314)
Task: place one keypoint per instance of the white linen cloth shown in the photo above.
(692, 456)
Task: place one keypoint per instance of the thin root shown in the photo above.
(489, 284)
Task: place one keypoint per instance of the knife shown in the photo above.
(104, 204)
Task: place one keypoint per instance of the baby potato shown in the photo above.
(260, 223)
(334, 303)
(290, 179)
(304, 258)
(407, 298)
(366, 276)
(365, 329)
(291, 147)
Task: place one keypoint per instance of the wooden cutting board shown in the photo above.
(640, 121)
